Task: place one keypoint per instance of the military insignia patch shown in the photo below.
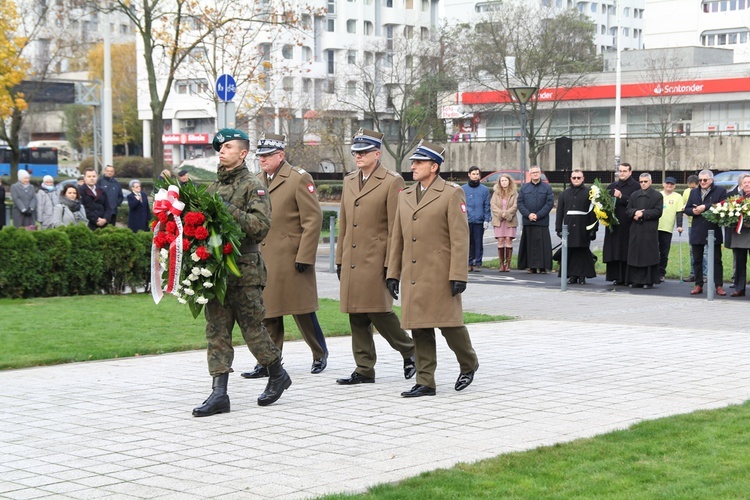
(311, 188)
(463, 207)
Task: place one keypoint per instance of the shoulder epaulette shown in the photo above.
(299, 170)
(393, 173)
(453, 184)
(352, 173)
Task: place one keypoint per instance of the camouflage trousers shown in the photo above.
(243, 305)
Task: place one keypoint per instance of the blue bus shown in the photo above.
(36, 161)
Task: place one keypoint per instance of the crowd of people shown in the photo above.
(636, 249)
(93, 201)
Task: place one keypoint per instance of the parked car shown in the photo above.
(728, 180)
(516, 175)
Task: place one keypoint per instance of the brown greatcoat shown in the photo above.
(296, 220)
(429, 249)
(365, 226)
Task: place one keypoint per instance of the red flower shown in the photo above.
(202, 253)
(160, 239)
(171, 227)
(228, 248)
(201, 233)
(171, 237)
(153, 224)
(189, 231)
(163, 217)
(194, 218)
(185, 244)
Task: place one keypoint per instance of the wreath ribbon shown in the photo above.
(167, 200)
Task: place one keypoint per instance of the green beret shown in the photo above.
(226, 135)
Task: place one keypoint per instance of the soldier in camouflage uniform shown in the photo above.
(247, 201)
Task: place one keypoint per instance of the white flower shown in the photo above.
(202, 300)
(181, 300)
(186, 282)
(207, 284)
(192, 277)
(206, 273)
(196, 271)
(195, 257)
(189, 291)
(164, 254)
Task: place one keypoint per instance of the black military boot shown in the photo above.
(218, 401)
(278, 382)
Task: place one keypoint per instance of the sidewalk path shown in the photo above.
(577, 364)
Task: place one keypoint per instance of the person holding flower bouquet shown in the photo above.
(247, 201)
(617, 240)
(700, 200)
(740, 234)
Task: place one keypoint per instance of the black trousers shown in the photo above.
(698, 265)
(665, 243)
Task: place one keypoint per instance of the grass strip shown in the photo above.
(697, 455)
(53, 330)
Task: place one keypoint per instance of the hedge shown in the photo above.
(73, 260)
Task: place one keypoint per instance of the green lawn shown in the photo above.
(698, 455)
(65, 329)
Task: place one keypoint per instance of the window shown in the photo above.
(182, 87)
(626, 12)
(389, 37)
(351, 57)
(425, 5)
(351, 26)
(409, 62)
(330, 60)
(288, 84)
(306, 54)
(265, 51)
(626, 32)
(368, 88)
(124, 29)
(368, 28)
(306, 85)
(351, 88)
(409, 4)
(424, 33)
(331, 6)
(306, 21)
(593, 7)
(388, 3)
(331, 86)
(331, 26)
(369, 58)
(408, 31)
(287, 51)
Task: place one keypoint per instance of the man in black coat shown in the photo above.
(644, 209)
(575, 210)
(535, 202)
(94, 200)
(113, 189)
(616, 241)
(700, 200)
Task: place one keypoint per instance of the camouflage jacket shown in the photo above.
(250, 205)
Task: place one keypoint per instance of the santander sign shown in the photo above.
(679, 88)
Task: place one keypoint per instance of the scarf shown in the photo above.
(473, 183)
(73, 205)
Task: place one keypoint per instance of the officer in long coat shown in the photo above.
(615, 252)
(368, 209)
(289, 251)
(246, 200)
(429, 249)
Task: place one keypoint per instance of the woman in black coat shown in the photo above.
(2, 204)
(138, 209)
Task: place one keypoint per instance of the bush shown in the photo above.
(85, 262)
(20, 277)
(119, 249)
(327, 215)
(330, 191)
(54, 249)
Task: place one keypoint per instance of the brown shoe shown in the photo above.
(737, 293)
(720, 291)
(695, 291)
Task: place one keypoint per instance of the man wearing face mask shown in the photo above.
(289, 251)
(480, 214)
(45, 202)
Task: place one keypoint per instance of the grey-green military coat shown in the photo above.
(365, 225)
(429, 249)
(296, 221)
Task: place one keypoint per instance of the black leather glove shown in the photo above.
(338, 271)
(559, 234)
(301, 267)
(26, 211)
(592, 235)
(457, 287)
(392, 285)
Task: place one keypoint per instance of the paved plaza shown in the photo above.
(575, 364)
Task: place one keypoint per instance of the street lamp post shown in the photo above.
(523, 95)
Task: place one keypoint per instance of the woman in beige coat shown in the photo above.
(504, 218)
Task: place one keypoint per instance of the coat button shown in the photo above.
(413, 282)
(413, 239)
(413, 217)
(413, 261)
(352, 266)
(354, 245)
(354, 225)
(356, 203)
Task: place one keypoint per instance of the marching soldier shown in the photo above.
(368, 208)
(428, 253)
(289, 251)
(246, 199)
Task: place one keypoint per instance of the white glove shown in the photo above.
(486, 225)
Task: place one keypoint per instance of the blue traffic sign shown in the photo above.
(225, 87)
